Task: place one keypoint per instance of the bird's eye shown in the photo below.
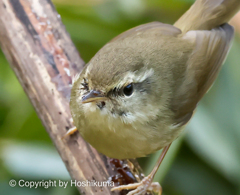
(128, 90)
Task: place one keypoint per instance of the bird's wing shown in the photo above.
(209, 53)
(166, 29)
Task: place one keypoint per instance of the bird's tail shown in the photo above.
(207, 14)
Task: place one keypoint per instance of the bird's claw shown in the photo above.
(141, 188)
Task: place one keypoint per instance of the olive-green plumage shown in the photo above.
(170, 68)
(136, 95)
(138, 92)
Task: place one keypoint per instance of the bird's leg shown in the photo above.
(70, 132)
(146, 184)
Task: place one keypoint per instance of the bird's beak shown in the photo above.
(93, 96)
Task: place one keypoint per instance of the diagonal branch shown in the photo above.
(44, 59)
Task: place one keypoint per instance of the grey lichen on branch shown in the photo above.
(44, 59)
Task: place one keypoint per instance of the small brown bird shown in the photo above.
(139, 91)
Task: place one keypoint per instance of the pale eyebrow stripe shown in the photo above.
(132, 78)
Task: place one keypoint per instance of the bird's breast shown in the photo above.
(116, 139)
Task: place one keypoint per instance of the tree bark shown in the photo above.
(44, 59)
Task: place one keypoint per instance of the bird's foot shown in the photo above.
(141, 188)
(70, 132)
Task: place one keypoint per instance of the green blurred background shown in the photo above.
(204, 161)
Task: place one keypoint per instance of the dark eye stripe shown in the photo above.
(85, 86)
(127, 91)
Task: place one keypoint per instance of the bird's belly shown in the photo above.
(123, 141)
